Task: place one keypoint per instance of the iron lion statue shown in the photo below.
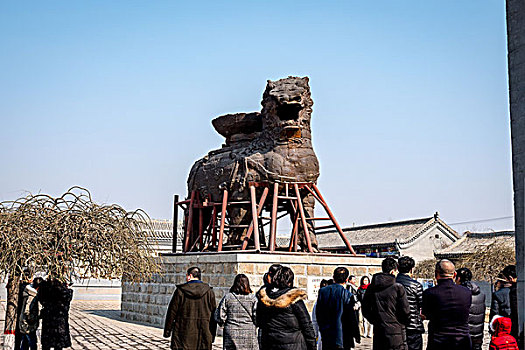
(273, 145)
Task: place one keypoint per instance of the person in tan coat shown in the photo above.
(189, 319)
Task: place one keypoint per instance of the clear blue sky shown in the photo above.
(410, 114)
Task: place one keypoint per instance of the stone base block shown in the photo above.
(147, 302)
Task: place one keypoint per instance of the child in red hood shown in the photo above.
(502, 340)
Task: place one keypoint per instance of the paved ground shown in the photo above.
(97, 325)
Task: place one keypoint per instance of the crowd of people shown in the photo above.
(390, 308)
(47, 300)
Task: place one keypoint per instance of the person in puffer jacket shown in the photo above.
(282, 315)
(502, 340)
(476, 319)
(414, 291)
(385, 305)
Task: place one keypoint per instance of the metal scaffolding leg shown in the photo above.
(285, 195)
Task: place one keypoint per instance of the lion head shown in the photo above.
(287, 109)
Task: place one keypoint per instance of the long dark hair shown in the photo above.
(241, 285)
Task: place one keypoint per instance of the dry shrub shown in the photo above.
(425, 269)
(486, 263)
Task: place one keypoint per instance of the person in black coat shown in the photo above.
(500, 303)
(476, 319)
(336, 317)
(282, 315)
(21, 287)
(414, 291)
(447, 307)
(55, 298)
(385, 305)
(367, 326)
(511, 275)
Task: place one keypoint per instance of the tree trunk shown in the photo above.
(10, 313)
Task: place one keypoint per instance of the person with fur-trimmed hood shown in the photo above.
(282, 315)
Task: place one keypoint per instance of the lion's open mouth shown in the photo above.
(289, 111)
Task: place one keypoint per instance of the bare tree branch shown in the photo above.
(71, 236)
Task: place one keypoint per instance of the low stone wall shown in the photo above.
(90, 289)
(147, 302)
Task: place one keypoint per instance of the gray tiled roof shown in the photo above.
(384, 234)
(473, 241)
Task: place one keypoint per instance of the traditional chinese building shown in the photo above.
(418, 238)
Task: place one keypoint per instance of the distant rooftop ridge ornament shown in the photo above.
(266, 170)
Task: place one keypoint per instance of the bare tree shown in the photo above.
(71, 237)
(485, 263)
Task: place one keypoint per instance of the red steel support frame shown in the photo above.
(303, 218)
(223, 218)
(293, 238)
(255, 219)
(192, 239)
(273, 226)
(323, 203)
(259, 210)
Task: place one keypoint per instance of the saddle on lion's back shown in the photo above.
(273, 145)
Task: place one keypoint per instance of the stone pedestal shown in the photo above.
(147, 302)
